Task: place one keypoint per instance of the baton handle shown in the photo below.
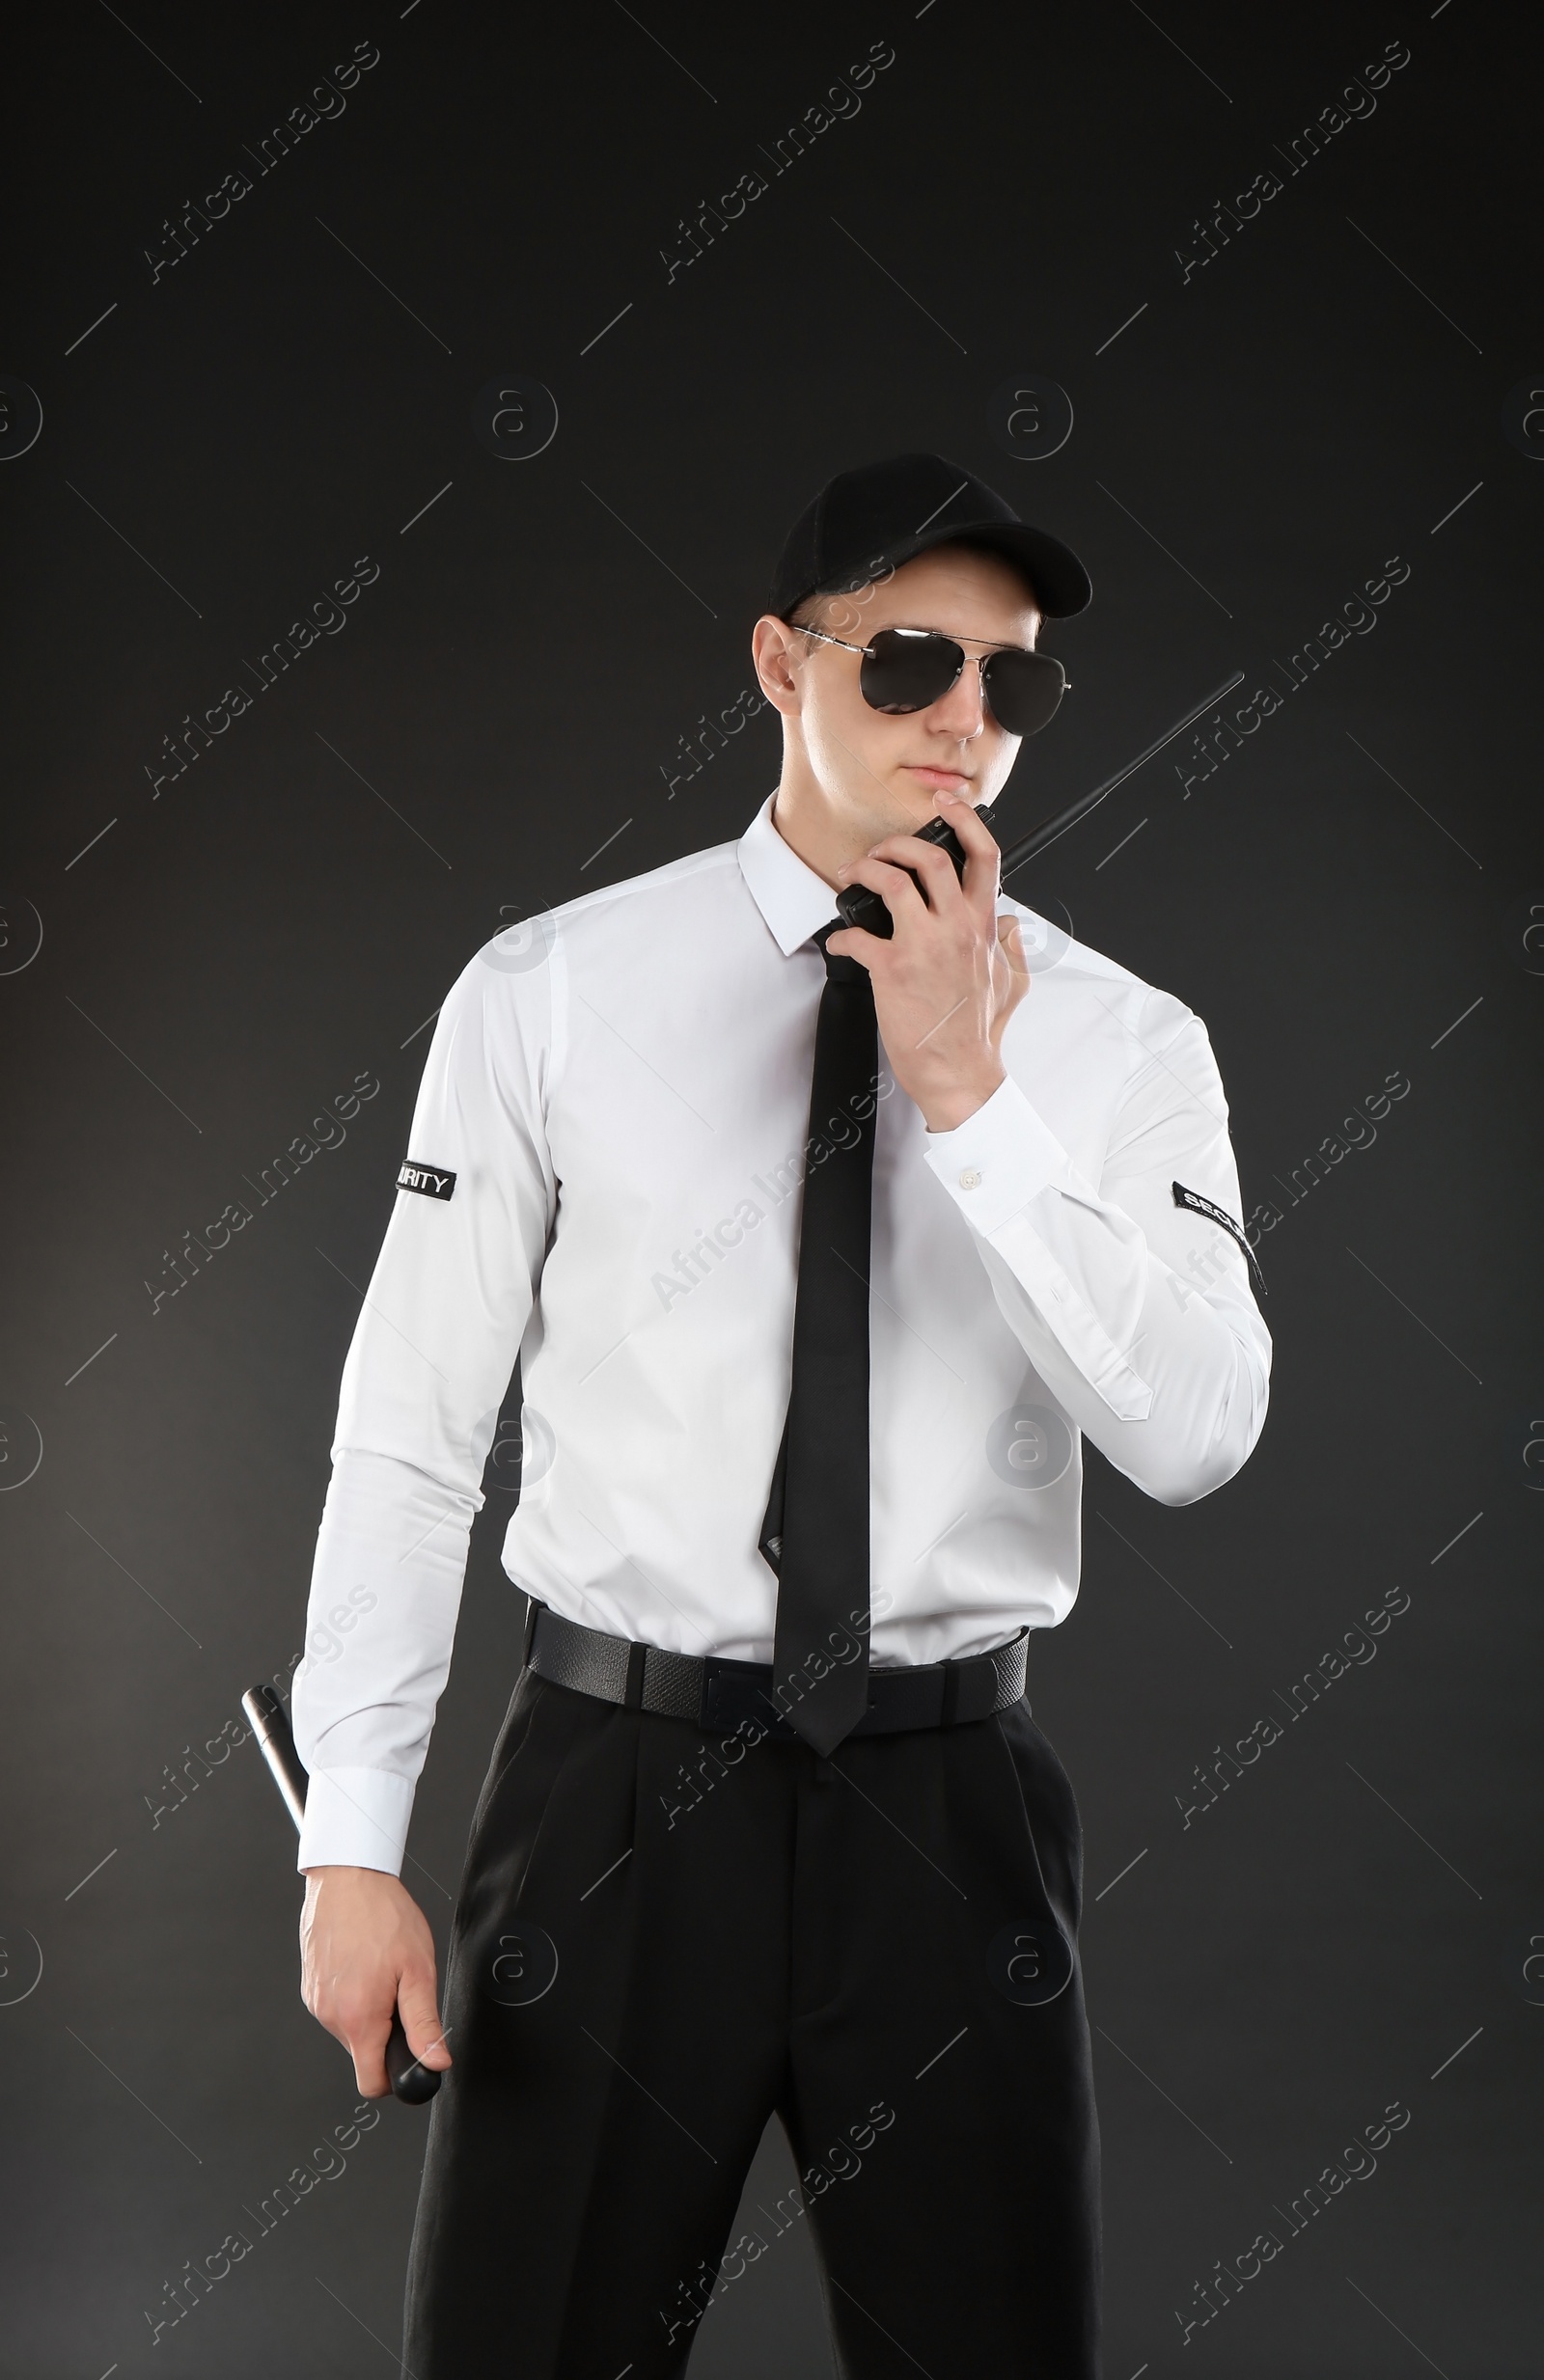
(411, 2083)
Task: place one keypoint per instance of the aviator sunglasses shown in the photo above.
(906, 668)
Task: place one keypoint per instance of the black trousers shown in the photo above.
(660, 1939)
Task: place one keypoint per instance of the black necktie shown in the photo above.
(816, 1533)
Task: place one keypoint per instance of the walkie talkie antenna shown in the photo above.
(857, 905)
(1050, 830)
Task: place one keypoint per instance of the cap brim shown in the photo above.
(1061, 585)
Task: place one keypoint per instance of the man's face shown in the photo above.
(882, 772)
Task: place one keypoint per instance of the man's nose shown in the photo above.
(960, 711)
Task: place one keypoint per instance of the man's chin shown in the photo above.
(916, 801)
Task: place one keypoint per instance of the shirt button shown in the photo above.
(970, 1179)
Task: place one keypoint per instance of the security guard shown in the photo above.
(822, 1246)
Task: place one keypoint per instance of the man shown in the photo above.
(819, 1249)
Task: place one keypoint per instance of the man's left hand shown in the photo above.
(947, 983)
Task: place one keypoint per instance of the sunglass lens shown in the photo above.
(905, 671)
(1024, 690)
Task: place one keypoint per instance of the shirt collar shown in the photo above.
(795, 902)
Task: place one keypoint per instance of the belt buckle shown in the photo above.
(735, 1691)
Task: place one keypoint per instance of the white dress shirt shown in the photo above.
(621, 1090)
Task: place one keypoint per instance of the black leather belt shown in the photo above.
(716, 1693)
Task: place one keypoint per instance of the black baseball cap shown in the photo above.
(882, 514)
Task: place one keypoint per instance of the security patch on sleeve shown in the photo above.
(1199, 1205)
(430, 1181)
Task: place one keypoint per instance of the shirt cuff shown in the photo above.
(355, 1818)
(997, 1160)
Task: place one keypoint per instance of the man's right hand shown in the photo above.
(365, 1953)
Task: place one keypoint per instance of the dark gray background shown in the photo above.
(1350, 1925)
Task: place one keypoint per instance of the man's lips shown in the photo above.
(936, 777)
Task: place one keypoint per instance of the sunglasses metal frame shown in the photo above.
(959, 642)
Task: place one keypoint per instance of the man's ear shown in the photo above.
(774, 649)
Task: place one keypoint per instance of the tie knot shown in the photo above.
(840, 968)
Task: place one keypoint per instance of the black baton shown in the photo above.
(411, 2082)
